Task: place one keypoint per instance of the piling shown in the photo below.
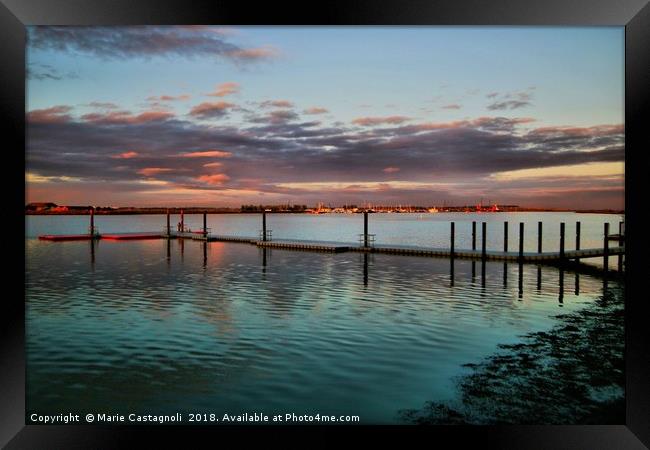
(521, 241)
(453, 237)
(264, 225)
(182, 222)
(483, 239)
(505, 236)
(606, 247)
(473, 235)
(577, 235)
(561, 241)
(365, 228)
(92, 221)
(539, 237)
(620, 244)
(169, 231)
(205, 224)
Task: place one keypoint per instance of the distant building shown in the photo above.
(36, 206)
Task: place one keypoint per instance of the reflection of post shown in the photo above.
(451, 271)
(181, 243)
(205, 254)
(505, 274)
(92, 252)
(521, 281)
(365, 269)
(539, 277)
(473, 270)
(577, 287)
(483, 272)
(561, 283)
(264, 258)
(169, 250)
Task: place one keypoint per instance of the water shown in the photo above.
(157, 327)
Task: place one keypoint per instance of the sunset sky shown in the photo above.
(222, 116)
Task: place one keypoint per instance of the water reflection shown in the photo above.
(217, 335)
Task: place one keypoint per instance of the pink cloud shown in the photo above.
(316, 110)
(55, 114)
(214, 180)
(125, 155)
(213, 164)
(151, 171)
(451, 106)
(254, 54)
(277, 104)
(168, 98)
(225, 89)
(368, 121)
(206, 154)
(211, 109)
(391, 169)
(598, 130)
(125, 117)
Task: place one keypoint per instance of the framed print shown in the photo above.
(394, 218)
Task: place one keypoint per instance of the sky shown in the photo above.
(224, 116)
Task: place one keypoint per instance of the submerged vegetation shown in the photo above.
(572, 374)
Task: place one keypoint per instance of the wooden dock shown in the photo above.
(366, 243)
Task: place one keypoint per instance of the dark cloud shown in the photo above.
(508, 104)
(211, 110)
(283, 150)
(38, 71)
(144, 41)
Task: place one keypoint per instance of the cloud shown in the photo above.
(151, 171)
(391, 169)
(55, 114)
(39, 71)
(102, 105)
(168, 98)
(315, 110)
(125, 117)
(225, 89)
(120, 42)
(369, 121)
(126, 155)
(276, 104)
(451, 106)
(213, 164)
(207, 154)
(254, 54)
(208, 110)
(214, 180)
(281, 116)
(508, 104)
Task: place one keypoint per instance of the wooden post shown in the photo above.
(483, 239)
(620, 244)
(505, 236)
(365, 228)
(264, 225)
(182, 222)
(577, 235)
(453, 237)
(474, 235)
(539, 237)
(606, 247)
(562, 242)
(205, 224)
(92, 221)
(169, 231)
(521, 241)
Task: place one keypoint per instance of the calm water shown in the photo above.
(156, 327)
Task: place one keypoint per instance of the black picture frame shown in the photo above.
(633, 14)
